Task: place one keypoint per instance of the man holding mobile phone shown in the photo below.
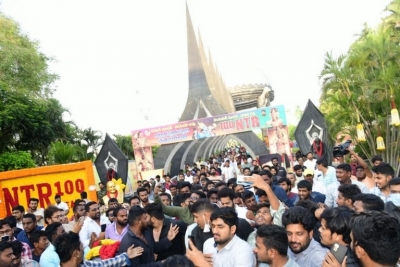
(335, 234)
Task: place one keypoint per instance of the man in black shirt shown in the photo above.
(159, 225)
(139, 235)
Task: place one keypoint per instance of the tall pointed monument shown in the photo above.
(208, 96)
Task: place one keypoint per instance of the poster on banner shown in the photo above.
(144, 159)
(279, 141)
(44, 183)
(242, 121)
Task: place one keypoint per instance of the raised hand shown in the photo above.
(257, 181)
(331, 261)
(134, 252)
(78, 225)
(196, 256)
(173, 231)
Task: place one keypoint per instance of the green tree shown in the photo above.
(22, 66)
(124, 142)
(359, 86)
(15, 161)
(30, 119)
(61, 152)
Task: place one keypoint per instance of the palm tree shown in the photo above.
(358, 87)
(61, 152)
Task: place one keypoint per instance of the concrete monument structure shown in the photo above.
(208, 96)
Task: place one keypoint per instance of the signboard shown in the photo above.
(44, 183)
(242, 121)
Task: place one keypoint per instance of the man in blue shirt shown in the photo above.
(278, 191)
(29, 224)
(49, 257)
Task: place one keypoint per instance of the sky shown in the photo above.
(123, 63)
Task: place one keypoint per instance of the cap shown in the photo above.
(308, 172)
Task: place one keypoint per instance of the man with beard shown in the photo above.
(140, 236)
(226, 249)
(38, 212)
(60, 204)
(54, 214)
(271, 247)
(6, 253)
(212, 196)
(70, 250)
(79, 214)
(343, 175)
(143, 196)
(281, 171)
(119, 227)
(304, 250)
(18, 211)
(298, 171)
(286, 185)
(93, 223)
(160, 226)
(196, 180)
(238, 188)
(29, 224)
(250, 202)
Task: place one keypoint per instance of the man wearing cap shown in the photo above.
(317, 186)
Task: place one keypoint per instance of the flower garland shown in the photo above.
(318, 149)
(105, 249)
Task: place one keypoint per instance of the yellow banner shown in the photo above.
(44, 183)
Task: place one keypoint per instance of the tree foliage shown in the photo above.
(61, 152)
(22, 66)
(15, 161)
(124, 142)
(358, 86)
(29, 123)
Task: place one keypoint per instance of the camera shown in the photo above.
(341, 150)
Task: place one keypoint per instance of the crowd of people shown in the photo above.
(317, 215)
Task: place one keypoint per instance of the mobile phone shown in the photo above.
(240, 180)
(103, 227)
(339, 251)
(5, 238)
